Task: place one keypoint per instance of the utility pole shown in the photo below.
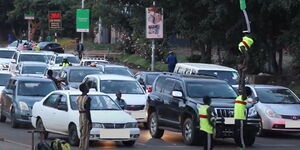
(153, 50)
(82, 7)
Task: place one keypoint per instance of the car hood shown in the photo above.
(132, 99)
(30, 100)
(285, 109)
(110, 116)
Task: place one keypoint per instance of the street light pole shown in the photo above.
(153, 50)
(82, 7)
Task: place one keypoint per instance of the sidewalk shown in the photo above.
(9, 145)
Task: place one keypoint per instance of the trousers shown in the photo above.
(208, 143)
(84, 132)
(239, 133)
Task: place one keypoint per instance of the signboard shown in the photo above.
(154, 23)
(29, 16)
(54, 20)
(82, 20)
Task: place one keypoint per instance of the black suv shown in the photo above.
(173, 105)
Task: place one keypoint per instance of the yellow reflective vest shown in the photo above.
(246, 43)
(240, 108)
(64, 64)
(204, 122)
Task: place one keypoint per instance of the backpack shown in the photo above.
(59, 144)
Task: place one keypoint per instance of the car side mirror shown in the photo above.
(177, 94)
(62, 107)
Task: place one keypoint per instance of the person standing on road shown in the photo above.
(240, 118)
(207, 121)
(79, 48)
(50, 76)
(85, 121)
(65, 62)
(171, 61)
(120, 101)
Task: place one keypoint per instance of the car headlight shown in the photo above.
(252, 112)
(272, 114)
(98, 125)
(23, 106)
(131, 125)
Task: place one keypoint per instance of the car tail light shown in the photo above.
(149, 89)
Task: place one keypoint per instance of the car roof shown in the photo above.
(7, 49)
(33, 63)
(77, 92)
(30, 78)
(204, 66)
(266, 86)
(149, 72)
(80, 67)
(31, 52)
(113, 65)
(112, 77)
(193, 78)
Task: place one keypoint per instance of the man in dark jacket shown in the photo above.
(171, 61)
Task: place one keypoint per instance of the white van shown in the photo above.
(221, 72)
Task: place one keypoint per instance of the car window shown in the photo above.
(33, 69)
(126, 87)
(230, 76)
(32, 57)
(71, 59)
(276, 96)
(6, 54)
(35, 88)
(61, 100)
(177, 86)
(118, 70)
(98, 102)
(77, 75)
(159, 83)
(168, 86)
(4, 79)
(51, 101)
(150, 78)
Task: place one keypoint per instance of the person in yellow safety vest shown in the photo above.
(240, 113)
(244, 47)
(207, 122)
(65, 63)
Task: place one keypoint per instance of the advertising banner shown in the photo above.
(54, 20)
(82, 20)
(154, 23)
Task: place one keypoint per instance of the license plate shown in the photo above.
(292, 124)
(114, 134)
(229, 120)
(138, 115)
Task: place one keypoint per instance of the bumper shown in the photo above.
(140, 115)
(124, 134)
(278, 124)
(23, 117)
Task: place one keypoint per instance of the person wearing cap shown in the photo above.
(207, 122)
(171, 61)
(85, 121)
(65, 62)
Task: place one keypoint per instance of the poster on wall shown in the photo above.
(154, 23)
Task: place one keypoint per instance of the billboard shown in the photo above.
(154, 23)
(54, 20)
(82, 20)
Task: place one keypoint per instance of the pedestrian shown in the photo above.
(10, 38)
(79, 48)
(120, 101)
(207, 122)
(171, 61)
(85, 121)
(50, 76)
(65, 62)
(240, 118)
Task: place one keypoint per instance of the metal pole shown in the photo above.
(153, 55)
(82, 6)
(28, 36)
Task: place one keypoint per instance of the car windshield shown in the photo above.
(35, 88)
(126, 87)
(276, 96)
(72, 60)
(33, 69)
(6, 54)
(211, 89)
(118, 71)
(32, 57)
(98, 102)
(77, 75)
(4, 79)
(230, 76)
(150, 78)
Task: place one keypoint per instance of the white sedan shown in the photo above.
(58, 113)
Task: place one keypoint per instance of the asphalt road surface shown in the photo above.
(170, 141)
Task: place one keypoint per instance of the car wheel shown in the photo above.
(13, 120)
(2, 117)
(40, 126)
(249, 140)
(128, 143)
(189, 132)
(261, 132)
(73, 136)
(153, 126)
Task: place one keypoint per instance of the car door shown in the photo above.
(7, 97)
(61, 115)
(173, 108)
(48, 111)
(167, 98)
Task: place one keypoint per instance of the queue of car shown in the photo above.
(160, 101)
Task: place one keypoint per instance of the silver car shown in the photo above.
(278, 108)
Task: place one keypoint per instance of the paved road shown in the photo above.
(170, 141)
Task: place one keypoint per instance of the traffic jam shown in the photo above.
(41, 88)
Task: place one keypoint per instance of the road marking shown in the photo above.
(17, 143)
